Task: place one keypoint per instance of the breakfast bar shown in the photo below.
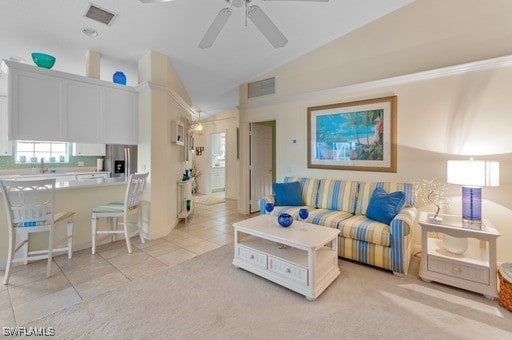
(80, 196)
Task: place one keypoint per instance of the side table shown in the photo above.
(474, 270)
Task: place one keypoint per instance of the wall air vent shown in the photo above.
(99, 14)
(261, 88)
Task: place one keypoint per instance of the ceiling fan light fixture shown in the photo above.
(217, 25)
(266, 27)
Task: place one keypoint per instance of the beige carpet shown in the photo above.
(207, 298)
(211, 199)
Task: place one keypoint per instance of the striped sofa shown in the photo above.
(342, 205)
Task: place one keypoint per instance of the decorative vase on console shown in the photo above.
(455, 245)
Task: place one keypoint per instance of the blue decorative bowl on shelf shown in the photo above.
(119, 78)
(285, 220)
(43, 60)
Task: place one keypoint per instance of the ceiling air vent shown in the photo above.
(263, 87)
(99, 14)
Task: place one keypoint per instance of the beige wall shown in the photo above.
(427, 34)
(225, 122)
(164, 160)
(438, 119)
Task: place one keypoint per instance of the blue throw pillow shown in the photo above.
(383, 207)
(287, 194)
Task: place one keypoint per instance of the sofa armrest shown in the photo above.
(401, 227)
(264, 200)
(407, 215)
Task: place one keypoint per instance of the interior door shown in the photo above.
(261, 163)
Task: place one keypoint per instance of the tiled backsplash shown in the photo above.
(7, 162)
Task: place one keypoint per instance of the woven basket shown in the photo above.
(505, 276)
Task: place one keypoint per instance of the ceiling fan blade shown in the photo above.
(299, 0)
(213, 31)
(266, 26)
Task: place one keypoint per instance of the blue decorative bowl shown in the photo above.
(285, 220)
(119, 78)
(43, 60)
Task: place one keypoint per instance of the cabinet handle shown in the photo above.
(252, 257)
(457, 269)
(288, 270)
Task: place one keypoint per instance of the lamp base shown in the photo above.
(472, 207)
(471, 224)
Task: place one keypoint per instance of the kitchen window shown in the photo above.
(34, 151)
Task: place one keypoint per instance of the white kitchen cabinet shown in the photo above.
(35, 106)
(84, 149)
(120, 117)
(5, 143)
(217, 178)
(83, 108)
(57, 106)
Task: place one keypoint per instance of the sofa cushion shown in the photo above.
(309, 188)
(337, 195)
(327, 218)
(383, 207)
(359, 227)
(366, 190)
(287, 193)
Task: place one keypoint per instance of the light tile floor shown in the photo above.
(30, 295)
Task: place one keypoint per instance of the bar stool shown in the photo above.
(114, 210)
(30, 208)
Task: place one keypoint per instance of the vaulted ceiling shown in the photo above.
(175, 28)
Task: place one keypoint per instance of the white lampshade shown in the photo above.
(474, 173)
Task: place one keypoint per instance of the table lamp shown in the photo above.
(473, 175)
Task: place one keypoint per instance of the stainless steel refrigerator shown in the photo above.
(121, 160)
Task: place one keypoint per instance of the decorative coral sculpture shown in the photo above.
(432, 191)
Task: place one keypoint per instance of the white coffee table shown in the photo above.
(308, 266)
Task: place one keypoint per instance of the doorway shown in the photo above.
(218, 163)
(262, 161)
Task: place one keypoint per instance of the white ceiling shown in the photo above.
(175, 28)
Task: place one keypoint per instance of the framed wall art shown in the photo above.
(358, 135)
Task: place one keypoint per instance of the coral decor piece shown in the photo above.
(433, 192)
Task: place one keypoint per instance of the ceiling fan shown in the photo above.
(253, 12)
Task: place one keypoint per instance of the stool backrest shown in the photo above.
(29, 203)
(134, 191)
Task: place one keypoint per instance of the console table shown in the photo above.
(307, 263)
(473, 270)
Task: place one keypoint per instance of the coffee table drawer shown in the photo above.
(288, 270)
(252, 256)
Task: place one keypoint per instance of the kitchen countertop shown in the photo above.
(52, 174)
(74, 184)
(90, 183)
